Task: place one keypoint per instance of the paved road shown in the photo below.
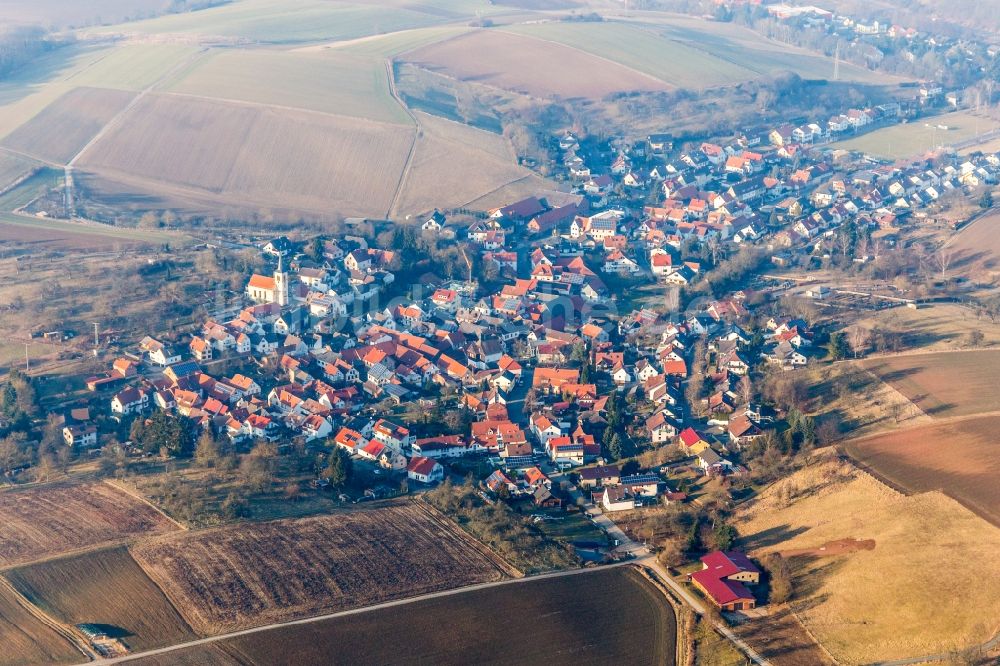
(355, 611)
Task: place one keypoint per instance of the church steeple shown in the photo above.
(281, 283)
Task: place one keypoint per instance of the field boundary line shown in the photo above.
(68, 634)
(132, 104)
(418, 129)
(355, 611)
(135, 494)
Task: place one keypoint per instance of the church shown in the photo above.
(263, 289)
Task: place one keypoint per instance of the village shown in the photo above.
(621, 356)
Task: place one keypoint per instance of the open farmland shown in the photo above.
(49, 520)
(28, 640)
(943, 384)
(107, 588)
(255, 156)
(531, 66)
(688, 53)
(331, 81)
(915, 138)
(976, 250)
(13, 167)
(454, 164)
(554, 620)
(132, 66)
(269, 21)
(871, 604)
(960, 457)
(63, 128)
(223, 579)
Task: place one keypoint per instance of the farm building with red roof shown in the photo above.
(722, 580)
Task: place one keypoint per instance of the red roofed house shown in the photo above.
(722, 580)
(424, 470)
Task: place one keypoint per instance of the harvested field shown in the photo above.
(28, 640)
(530, 66)
(866, 606)
(59, 132)
(44, 521)
(223, 579)
(554, 621)
(332, 82)
(944, 384)
(107, 588)
(255, 156)
(960, 458)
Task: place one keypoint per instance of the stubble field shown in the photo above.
(530, 66)
(60, 131)
(595, 617)
(930, 584)
(107, 588)
(225, 579)
(49, 520)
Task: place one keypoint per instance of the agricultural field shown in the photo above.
(918, 137)
(688, 53)
(107, 588)
(13, 167)
(960, 458)
(28, 640)
(933, 328)
(59, 132)
(454, 164)
(553, 619)
(388, 45)
(869, 603)
(270, 22)
(69, 13)
(223, 579)
(976, 250)
(331, 82)
(255, 156)
(133, 66)
(45, 521)
(944, 384)
(530, 66)
(23, 231)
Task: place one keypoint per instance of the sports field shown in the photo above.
(918, 137)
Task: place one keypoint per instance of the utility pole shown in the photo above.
(97, 339)
(27, 359)
(836, 63)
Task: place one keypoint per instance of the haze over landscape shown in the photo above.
(530, 332)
